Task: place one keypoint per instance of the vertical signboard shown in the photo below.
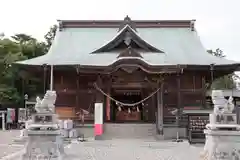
(98, 120)
(21, 115)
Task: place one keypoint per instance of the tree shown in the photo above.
(15, 82)
(225, 82)
(49, 37)
(9, 53)
(20, 47)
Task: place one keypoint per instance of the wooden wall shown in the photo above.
(76, 91)
(188, 94)
(73, 92)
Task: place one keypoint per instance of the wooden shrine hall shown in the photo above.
(141, 70)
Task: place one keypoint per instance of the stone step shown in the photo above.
(114, 130)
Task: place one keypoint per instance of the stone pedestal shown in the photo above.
(222, 138)
(221, 145)
(40, 146)
(223, 132)
(43, 133)
(43, 142)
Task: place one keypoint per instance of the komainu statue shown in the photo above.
(221, 105)
(47, 104)
(43, 133)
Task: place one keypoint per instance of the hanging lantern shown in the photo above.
(129, 110)
(138, 109)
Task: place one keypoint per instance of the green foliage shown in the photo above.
(225, 82)
(14, 83)
(9, 53)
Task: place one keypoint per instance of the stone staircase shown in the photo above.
(128, 130)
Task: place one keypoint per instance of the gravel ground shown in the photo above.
(6, 142)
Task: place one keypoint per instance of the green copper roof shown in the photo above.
(73, 46)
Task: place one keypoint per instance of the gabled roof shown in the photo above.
(76, 41)
(127, 35)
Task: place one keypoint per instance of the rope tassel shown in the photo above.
(119, 108)
(129, 110)
(138, 109)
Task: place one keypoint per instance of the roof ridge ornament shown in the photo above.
(127, 21)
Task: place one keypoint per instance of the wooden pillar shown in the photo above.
(194, 82)
(179, 103)
(77, 85)
(44, 78)
(160, 109)
(51, 78)
(108, 101)
(204, 91)
(98, 111)
(99, 95)
(179, 91)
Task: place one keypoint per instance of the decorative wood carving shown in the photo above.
(127, 21)
(130, 52)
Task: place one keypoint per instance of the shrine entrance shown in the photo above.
(132, 105)
(122, 113)
(130, 115)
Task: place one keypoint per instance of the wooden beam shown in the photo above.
(74, 91)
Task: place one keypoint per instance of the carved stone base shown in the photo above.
(43, 147)
(224, 145)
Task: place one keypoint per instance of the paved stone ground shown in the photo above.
(129, 149)
(6, 142)
(133, 150)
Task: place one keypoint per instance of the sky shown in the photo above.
(216, 20)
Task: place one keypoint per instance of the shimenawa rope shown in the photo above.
(125, 104)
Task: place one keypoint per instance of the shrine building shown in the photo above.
(141, 70)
